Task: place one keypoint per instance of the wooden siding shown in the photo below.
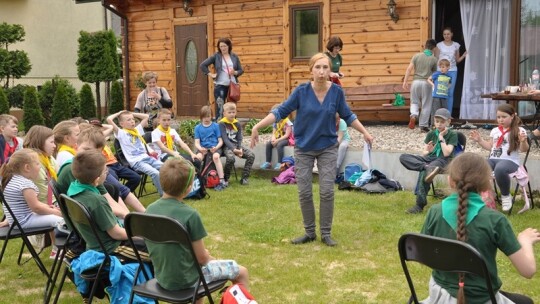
(376, 50)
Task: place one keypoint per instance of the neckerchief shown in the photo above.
(233, 123)
(9, 150)
(66, 148)
(280, 131)
(428, 52)
(450, 207)
(501, 139)
(76, 187)
(437, 149)
(46, 162)
(134, 135)
(168, 137)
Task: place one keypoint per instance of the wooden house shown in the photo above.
(172, 37)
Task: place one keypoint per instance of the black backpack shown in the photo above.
(209, 176)
(198, 191)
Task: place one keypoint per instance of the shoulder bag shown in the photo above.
(234, 88)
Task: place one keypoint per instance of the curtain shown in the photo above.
(486, 31)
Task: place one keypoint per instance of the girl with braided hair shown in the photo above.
(463, 216)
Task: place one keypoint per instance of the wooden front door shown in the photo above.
(191, 83)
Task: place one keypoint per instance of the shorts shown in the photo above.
(220, 270)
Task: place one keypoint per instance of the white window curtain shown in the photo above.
(486, 31)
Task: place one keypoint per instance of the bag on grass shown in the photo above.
(352, 172)
(209, 175)
(198, 191)
(237, 294)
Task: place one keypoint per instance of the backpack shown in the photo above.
(198, 191)
(352, 169)
(209, 176)
(237, 294)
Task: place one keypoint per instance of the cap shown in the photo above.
(443, 113)
(95, 122)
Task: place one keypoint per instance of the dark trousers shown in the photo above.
(247, 154)
(280, 147)
(118, 171)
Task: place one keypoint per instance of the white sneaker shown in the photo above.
(506, 202)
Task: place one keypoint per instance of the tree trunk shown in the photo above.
(98, 100)
(107, 97)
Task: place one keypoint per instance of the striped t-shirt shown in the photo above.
(13, 193)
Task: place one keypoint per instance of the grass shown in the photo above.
(254, 225)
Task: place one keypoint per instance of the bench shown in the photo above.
(367, 103)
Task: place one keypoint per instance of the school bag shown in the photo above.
(237, 294)
(209, 175)
(352, 172)
(198, 191)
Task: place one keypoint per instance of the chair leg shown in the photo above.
(35, 256)
(55, 271)
(3, 249)
(59, 289)
(530, 195)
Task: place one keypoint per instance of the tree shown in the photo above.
(32, 114)
(4, 104)
(15, 95)
(61, 109)
(98, 60)
(46, 98)
(88, 104)
(117, 97)
(13, 64)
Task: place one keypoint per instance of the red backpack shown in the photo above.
(237, 294)
(209, 175)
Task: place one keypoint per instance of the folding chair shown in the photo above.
(78, 214)
(529, 194)
(443, 255)
(15, 231)
(144, 177)
(460, 148)
(165, 230)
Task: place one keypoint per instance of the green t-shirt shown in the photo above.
(487, 232)
(171, 261)
(65, 177)
(424, 66)
(336, 62)
(450, 138)
(102, 214)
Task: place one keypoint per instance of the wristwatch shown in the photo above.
(442, 141)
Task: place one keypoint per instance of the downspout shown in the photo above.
(125, 55)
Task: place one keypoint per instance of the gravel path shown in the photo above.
(401, 138)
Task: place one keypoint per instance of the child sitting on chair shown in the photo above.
(65, 137)
(464, 216)
(177, 177)
(438, 152)
(281, 131)
(231, 133)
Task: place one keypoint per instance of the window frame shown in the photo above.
(292, 20)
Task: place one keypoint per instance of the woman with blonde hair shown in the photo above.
(152, 98)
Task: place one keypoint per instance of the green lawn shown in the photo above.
(254, 225)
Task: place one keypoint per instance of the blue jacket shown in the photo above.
(120, 275)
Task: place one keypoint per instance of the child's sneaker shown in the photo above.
(225, 184)
(277, 166)
(266, 165)
(506, 202)
(220, 187)
(244, 181)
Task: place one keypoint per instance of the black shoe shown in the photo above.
(415, 209)
(328, 241)
(425, 129)
(303, 239)
(431, 172)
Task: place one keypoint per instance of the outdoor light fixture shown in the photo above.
(189, 10)
(392, 10)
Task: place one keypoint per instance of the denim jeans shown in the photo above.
(220, 91)
(118, 171)
(150, 166)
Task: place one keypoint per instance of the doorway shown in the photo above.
(191, 83)
(448, 14)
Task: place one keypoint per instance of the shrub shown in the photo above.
(15, 95)
(252, 122)
(117, 97)
(61, 109)
(32, 114)
(88, 103)
(186, 130)
(4, 104)
(46, 98)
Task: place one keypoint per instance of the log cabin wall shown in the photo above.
(376, 50)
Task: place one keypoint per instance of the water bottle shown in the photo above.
(535, 78)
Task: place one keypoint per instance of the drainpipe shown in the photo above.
(124, 51)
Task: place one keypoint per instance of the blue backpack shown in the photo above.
(352, 172)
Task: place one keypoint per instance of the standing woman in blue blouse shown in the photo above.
(227, 67)
(316, 103)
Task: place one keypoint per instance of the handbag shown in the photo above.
(234, 88)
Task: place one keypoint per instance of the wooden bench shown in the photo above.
(367, 103)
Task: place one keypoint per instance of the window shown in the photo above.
(529, 50)
(305, 31)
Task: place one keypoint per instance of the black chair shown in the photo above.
(462, 144)
(165, 230)
(15, 231)
(123, 161)
(78, 214)
(443, 255)
(530, 193)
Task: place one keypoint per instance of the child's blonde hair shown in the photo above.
(63, 129)
(123, 114)
(164, 112)
(36, 137)
(87, 166)
(92, 136)
(176, 176)
(6, 118)
(468, 172)
(206, 112)
(229, 106)
(444, 63)
(15, 164)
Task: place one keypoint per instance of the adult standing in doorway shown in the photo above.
(227, 68)
(152, 99)
(334, 46)
(449, 50)
(316, 103)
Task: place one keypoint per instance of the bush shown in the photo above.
(32, 114)
(4, 105)
(88, 103)
(15, 95)
(61, 109)
(117, 97)
(186, 130)
(46, 98)
(252, 122)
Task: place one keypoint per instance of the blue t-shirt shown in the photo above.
(208, 135)
(443, 82)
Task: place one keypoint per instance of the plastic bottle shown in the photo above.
(535, 78)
